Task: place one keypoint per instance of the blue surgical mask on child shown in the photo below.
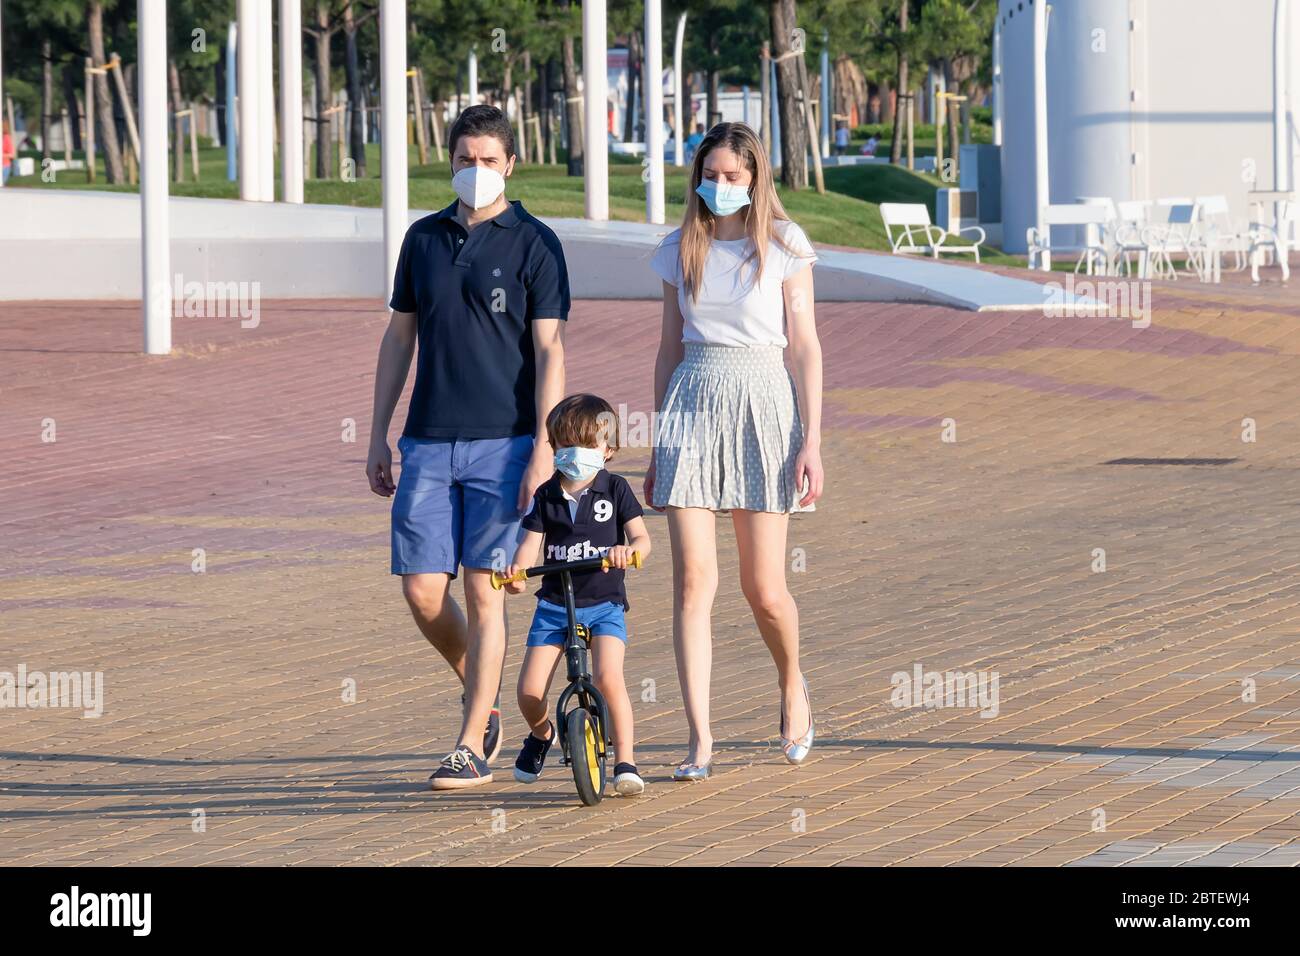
(723, 199)
(578, 463)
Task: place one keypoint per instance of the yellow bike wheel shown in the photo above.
(585, 748)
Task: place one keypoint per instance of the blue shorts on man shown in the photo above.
(457, 503)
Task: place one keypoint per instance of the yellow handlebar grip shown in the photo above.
(500, 580)
(633, 562)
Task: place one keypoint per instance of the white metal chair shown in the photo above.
(1269, 240)
(1220, 233)
(1127, 237)
(1179, 235)
(912, 221)
(1093, 256)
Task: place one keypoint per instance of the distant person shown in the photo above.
(481, 287)
(7, 153)
(842, 139)
(869, 147)
(693, 141)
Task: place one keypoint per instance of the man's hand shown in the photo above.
(379, 469)
(540, 467)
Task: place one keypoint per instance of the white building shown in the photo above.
(1147, 99)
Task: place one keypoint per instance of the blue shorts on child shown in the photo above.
(550, 621)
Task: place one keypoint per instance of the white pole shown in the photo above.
(291, 99)
(653, 81)
(392, 107)
(679, 90)
(266, 101)
(1041, 192)
(594, 80)
(997, 84)
(151, 27)
(826, 95)
(249, 126)
(13, 134)
(1280, 46)
(472, 73)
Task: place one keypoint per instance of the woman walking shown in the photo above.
(736, 431)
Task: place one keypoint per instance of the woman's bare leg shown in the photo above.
(761, 541)
(695, 582)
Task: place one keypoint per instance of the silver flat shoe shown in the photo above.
(797, 750)
(691, 772)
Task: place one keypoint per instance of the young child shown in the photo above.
(581, 511)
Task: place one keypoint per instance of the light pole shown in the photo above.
(250, 126)
(155, 254)
(1041, 191)
(291, 100)
(997, 83)
(265, 102)
(232, 41)
(679, 89)
(1281, 44)
(472, 73)
(653, 84)
(594, 80)
(392, 106)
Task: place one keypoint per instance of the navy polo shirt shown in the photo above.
(603, 513)
(475, 293)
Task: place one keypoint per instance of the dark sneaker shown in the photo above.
(528, 765)
(627, 781)
(491, 736)
(460, 769)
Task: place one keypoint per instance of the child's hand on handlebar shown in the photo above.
(619, 556)
(515, 587)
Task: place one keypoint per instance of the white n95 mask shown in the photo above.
(478, 186)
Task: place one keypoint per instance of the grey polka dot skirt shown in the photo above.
(729, 432)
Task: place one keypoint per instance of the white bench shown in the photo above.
(912, 223)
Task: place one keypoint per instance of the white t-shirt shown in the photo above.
(731, 308)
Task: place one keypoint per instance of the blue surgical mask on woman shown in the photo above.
(723, 199)
(578, 463)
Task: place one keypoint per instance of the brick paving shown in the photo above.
(1148, 713)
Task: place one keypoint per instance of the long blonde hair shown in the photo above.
(699, 224)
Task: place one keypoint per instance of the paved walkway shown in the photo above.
(1146, 713)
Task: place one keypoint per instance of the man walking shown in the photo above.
(482, 287)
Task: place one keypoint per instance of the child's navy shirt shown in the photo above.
(603, 513)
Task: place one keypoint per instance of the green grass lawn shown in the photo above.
(848, 215)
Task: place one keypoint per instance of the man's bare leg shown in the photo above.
(485, 654)
(438, 616)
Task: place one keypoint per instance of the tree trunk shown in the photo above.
(108, 141)
(47, 97)
(953, 109)
(572, 108)
(633, 84)
(74, 110)
(178, 122)
(322, 35)
(896, 145)
(356, 97)
(794, 126)
(544, 104)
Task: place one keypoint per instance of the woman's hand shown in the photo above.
(649, 488)
(808, 471)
